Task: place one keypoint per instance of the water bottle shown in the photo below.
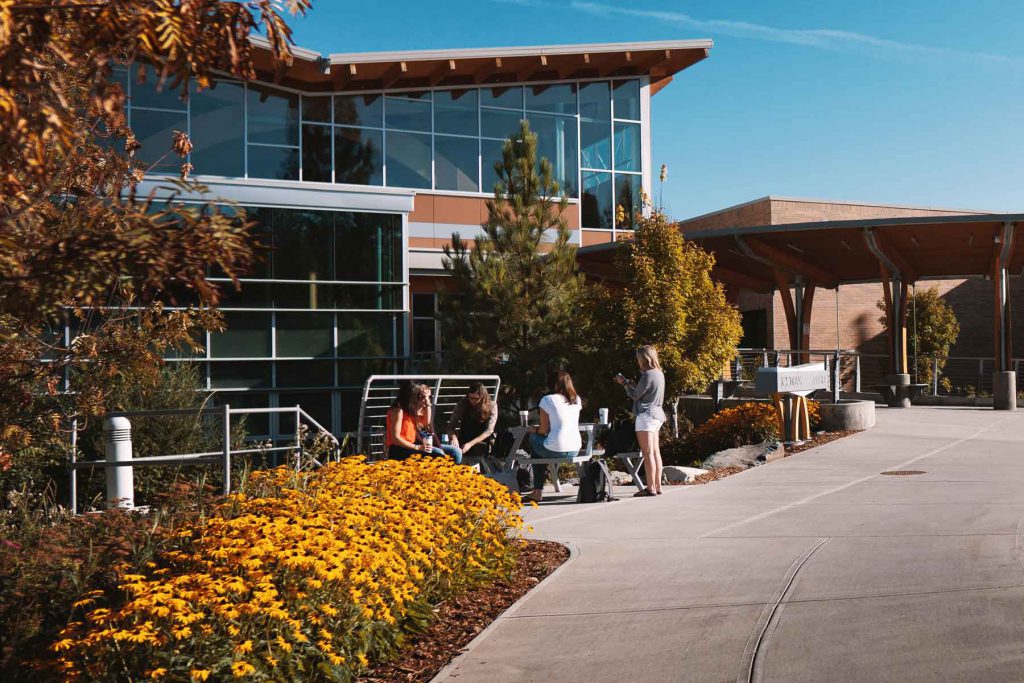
(428, 441)
(444, 439)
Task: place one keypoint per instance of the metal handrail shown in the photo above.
(223, 456)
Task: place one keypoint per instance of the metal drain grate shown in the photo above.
(901, 473)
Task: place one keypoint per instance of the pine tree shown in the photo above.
(514, 291)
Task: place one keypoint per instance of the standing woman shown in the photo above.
(648, 394)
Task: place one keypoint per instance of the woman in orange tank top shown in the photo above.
(400, 435)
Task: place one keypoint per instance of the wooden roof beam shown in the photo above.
(742, 280)
(442, 70)
(487, 70)
(397, 71)
(783, 260)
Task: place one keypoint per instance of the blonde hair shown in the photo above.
(648, 357)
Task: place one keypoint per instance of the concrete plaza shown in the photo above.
(814, 568)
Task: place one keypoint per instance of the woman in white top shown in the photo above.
(558, 435)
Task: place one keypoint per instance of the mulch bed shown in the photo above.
(818, 440)
(460, 620)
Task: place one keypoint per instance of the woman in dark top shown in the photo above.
(648, 394)
(472, 422)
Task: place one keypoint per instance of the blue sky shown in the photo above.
(911, 102)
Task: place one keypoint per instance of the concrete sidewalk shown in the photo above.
(814, 568)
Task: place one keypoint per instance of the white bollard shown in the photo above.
(117, 439)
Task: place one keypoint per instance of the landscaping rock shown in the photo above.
(674, 474)
(745, 456)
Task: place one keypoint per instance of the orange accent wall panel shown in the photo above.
(596, 237)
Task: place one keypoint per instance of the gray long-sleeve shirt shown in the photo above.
(648, 394)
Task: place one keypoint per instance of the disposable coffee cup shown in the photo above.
(524, 418)
(428, 442)
(602, 416)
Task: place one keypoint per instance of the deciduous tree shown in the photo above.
(933, 329)
(75, 235)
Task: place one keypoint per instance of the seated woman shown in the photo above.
(472, 422)
(424, 425)
(558, 435)
(400, 434)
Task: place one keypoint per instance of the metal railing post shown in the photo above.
(298, 438)
(981, 373)
(764, 358)
(856, 374)
(935, 375)
(73, 475)
(836, 379)
(227, 449)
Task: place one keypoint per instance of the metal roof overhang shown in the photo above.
(311, 71)
(845, 252)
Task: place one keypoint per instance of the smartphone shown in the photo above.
(619, 375)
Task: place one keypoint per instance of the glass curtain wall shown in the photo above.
(443, 139)
(321, 313)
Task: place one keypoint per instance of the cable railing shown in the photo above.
(860, 372)
(118, 446)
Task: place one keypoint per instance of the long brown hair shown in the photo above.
(408, 393)
(483, 410)
(560, 382)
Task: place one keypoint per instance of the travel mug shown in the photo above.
(524, 418)
(602, 416)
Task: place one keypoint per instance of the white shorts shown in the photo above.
(646, 423)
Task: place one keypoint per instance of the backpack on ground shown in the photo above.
(595, 483)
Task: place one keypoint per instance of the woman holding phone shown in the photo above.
(648, 394)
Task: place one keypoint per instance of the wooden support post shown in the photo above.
(805, 321)
(805, 416)
(780, 412)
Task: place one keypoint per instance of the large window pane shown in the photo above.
(366, 296)
(595, 101)
(627, 100)
(305, 373)
(455, 112)
(409, 112)
(155, 132)
(359, 110)
(273, 162)
(369, 247)
(367, 334)
(247, 336)
(556, 141)
(358, 156)
(303, 244)
(303, 335)
(595, 145)
(217, 130)
(491, 154)
(273, 116)
(316, 153)
(558, 99)
(596, 202)
(496, 123)
(316, 108)
(240, 375)
(424, 340)
(507, 97)
(627, 146)
(455, 163)
(146, 94)
(627, 196)
(311, 295)
(256, 425)
(408, 160)
(316, 404)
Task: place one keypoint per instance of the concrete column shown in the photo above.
(1004, 390)
(117, 439)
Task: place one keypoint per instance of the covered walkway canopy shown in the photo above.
(799, 258)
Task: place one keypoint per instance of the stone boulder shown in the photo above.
(674, 474)
(746, 456)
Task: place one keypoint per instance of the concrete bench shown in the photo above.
(899, 395)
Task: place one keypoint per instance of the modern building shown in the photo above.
(358, 169)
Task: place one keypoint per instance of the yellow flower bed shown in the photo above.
(301, 576)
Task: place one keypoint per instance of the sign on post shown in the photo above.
(799, 379)
(788, 388)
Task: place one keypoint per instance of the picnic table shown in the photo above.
(516, 454)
